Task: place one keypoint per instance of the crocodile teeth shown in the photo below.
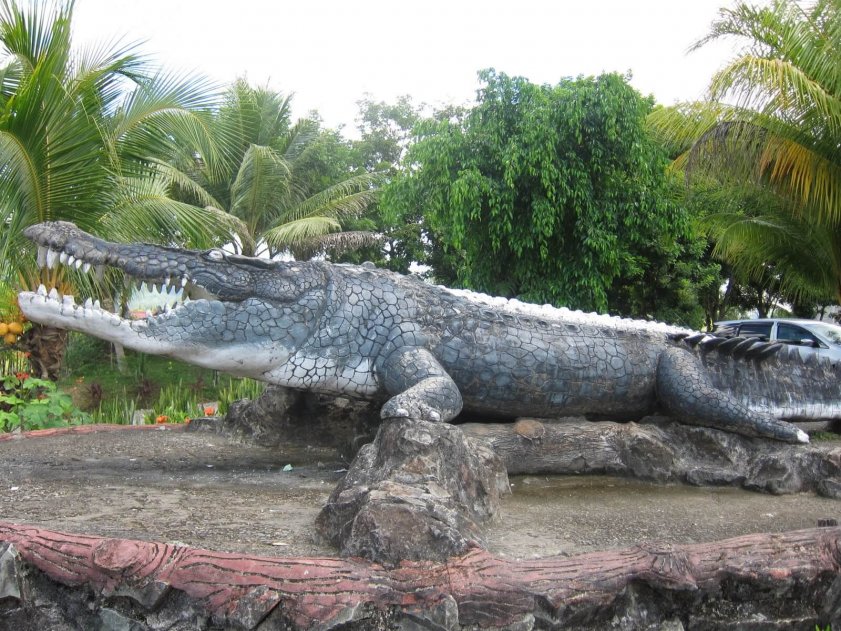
(62, 258)
(88, 304)
(42, 291)
(96, 305)
(53, 294)
(42, 256)
(52, 257)
(86, 267)
(78, 263)
(68, 300)
(71, 260)
(184, 281)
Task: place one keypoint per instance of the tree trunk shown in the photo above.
(46, 346)
(789, 580)
(120, 357)
(662, 451)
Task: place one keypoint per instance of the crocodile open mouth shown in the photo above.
(149, 298)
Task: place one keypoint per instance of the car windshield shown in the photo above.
(830, 332)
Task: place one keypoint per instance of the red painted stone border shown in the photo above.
(88, 429)
(487, 591)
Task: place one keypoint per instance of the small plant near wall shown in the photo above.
(236, 391)
(27, 403)
(177, 403)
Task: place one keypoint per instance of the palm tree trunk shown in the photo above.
(45, 346)
(120, 357)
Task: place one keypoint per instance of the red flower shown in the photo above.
(23, 376)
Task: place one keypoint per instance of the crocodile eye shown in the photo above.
(216, 255)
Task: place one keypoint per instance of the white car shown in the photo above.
(810, 336)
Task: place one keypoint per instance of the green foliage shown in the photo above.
(176, 403)
(86, 136)
(237, 390)
(773, 121)
(385, 132)
(823, 437)
(283, 184)
(82, 134)
(760, 242)
(27, 403)
(549, 193)
(119, 410)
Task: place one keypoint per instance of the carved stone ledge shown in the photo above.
(776, 582)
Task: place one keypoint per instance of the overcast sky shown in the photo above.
(331, 52)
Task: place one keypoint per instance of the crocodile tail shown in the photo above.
(768, 377)
(686, 392)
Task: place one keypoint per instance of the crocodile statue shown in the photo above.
(429, 352)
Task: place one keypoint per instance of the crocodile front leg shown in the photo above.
(685, 391)
(419, 385)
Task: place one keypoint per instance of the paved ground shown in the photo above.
(211, 492)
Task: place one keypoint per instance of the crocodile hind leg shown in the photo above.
(685, 391)
(419, 385)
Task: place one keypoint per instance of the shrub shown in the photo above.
(28, 403)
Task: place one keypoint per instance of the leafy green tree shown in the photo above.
(84, 137)
(670, 279)
(385, 132)
(278, 179)
(550, 193)
(773, 121)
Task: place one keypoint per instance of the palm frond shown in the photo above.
(141, 209)
(335, 243)
(300, 231)
(10, 77)
(805, 261)
(346, 199)
(36, 37)
(261, 184)
(296, 140)
(164, 113)
(177, 179)
(19, 181)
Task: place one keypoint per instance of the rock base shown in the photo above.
(419, 491)
(281, 415)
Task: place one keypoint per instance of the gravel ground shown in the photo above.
(209, 491)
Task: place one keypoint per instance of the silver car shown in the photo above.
(810, 336)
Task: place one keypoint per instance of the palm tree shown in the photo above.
(273, 180)
(773, 120)
(85, 137)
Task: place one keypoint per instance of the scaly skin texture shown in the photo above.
(426, 351)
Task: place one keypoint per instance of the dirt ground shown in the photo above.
(208, 491)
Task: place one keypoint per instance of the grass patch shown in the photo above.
(92, 377)
(817, 437)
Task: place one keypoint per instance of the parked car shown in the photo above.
(810, 336)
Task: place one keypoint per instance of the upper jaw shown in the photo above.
(63, 243)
